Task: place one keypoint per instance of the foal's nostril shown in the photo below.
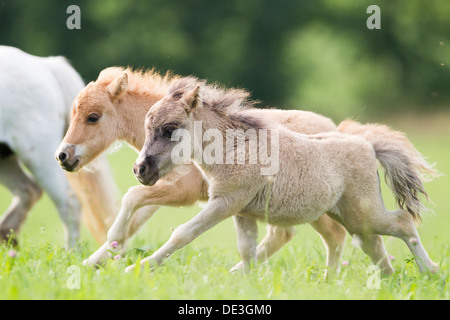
(142, 169)
(62, 156)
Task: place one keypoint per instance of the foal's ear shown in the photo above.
(191, 99)
(118, 85)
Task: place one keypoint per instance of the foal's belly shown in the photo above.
(287, 208)
(283, 218)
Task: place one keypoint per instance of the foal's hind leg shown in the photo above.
(375, 219)
(373, 246)
(400, 224)
(25, 193)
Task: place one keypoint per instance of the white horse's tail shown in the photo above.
(405, 168)
(96, 191)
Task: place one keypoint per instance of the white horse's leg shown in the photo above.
(67, 205)
(134, 212)
(25, 193)
(215, 211)
(52, 179)
(247, 234)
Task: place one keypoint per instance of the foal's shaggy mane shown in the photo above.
(228, 102)
(140, 81)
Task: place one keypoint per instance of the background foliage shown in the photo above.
(308, 54)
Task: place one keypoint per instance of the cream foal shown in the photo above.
(329, 172)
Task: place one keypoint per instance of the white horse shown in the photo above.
(35, 99)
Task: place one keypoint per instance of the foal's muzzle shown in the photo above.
(65, 155)
(146, 171)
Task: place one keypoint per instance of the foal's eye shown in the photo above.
(93, 117)
(168, 131)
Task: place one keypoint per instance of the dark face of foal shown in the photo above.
(162, 121)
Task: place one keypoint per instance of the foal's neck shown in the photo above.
(132, 110)
(222, 121)
(229, 128)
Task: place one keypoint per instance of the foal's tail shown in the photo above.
(405, 168)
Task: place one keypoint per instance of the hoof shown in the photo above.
(130, 268)
(8, 238)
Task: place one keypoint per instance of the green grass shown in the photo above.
(40, 269)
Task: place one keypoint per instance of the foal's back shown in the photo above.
(305, 122)
(315, 172)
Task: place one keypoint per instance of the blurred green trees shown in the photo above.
(312, 54)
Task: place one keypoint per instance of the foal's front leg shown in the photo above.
(275, 238)
(333, 236)
(141, 202)
(132, 205)
(247, 234)
(215, 211)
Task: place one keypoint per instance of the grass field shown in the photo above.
(43, 269)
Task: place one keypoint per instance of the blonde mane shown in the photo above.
(140, 81)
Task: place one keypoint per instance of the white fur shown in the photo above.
(35, 99)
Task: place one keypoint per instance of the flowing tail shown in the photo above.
(405, 168)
